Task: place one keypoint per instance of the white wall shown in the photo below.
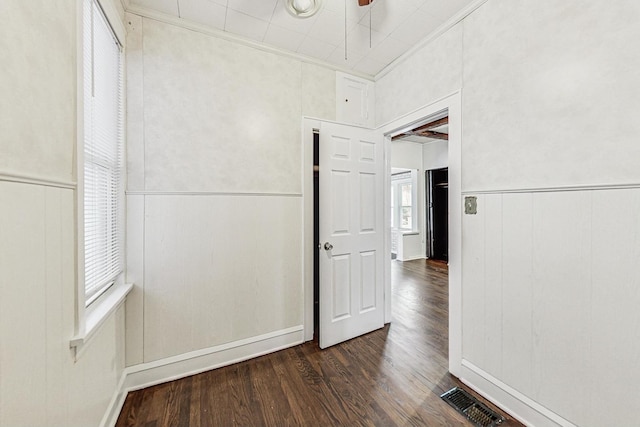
(549, 285)
(29, 142)
(435, 155)
(215, 188)
(535, 101)
(420, 157)
(432, 73)
(408, 155)
(40, 383)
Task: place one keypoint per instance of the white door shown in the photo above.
(351, 232)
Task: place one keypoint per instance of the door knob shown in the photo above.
(328, 246)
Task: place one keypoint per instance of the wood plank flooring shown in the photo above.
(390, 377)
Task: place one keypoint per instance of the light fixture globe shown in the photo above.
(302, 8)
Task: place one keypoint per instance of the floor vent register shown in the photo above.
(472, 408)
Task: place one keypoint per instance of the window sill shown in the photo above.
(99, 312)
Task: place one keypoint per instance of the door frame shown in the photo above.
(450, 105)
(428, 213)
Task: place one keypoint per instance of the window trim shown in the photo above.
(89, 316)
(401, 179)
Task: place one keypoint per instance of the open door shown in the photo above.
(351, 232)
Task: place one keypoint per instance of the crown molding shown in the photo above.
(453, 21)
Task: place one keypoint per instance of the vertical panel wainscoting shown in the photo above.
(218, 280)
(216, 269)
(613, 322)
(214, 200)
(135, 274)
(539, 267)
(41, 383)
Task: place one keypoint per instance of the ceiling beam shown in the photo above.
(431, 134)
(424, 133)
(428, 126)
(425, 130)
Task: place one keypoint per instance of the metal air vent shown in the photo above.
(472, 408)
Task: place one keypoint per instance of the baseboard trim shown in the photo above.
(172, 368)
(412, 258)
(521, 407)
(115, 405)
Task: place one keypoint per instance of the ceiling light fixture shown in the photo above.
(303, 8)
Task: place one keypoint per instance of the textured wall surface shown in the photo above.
(220, 116)
(40, 383)
(553, 107)
(38, 87)
(549, 96)
(431, 73)
(211, 120)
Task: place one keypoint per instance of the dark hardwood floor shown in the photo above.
(390, 377)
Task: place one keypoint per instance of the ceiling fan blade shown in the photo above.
(364, 2)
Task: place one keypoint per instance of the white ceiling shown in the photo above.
(423, 139)
(396, 25)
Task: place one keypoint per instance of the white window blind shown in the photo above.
(103, 141)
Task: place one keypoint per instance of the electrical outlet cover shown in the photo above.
(470, 205)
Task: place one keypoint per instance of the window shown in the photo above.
(102, 168)
(406, 221)
(403, 207)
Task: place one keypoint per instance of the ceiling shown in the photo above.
(437, 130)
(396, 25)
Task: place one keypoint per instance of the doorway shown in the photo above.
(437, 207)
(450, 106)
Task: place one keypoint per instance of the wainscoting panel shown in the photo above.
(135, 274)
(561, 300)
(23, 302)
(614, 323)
(473, 286)
(517, 291)
(41, 383)
(550, 297)
(219, 268)
(493, 284)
